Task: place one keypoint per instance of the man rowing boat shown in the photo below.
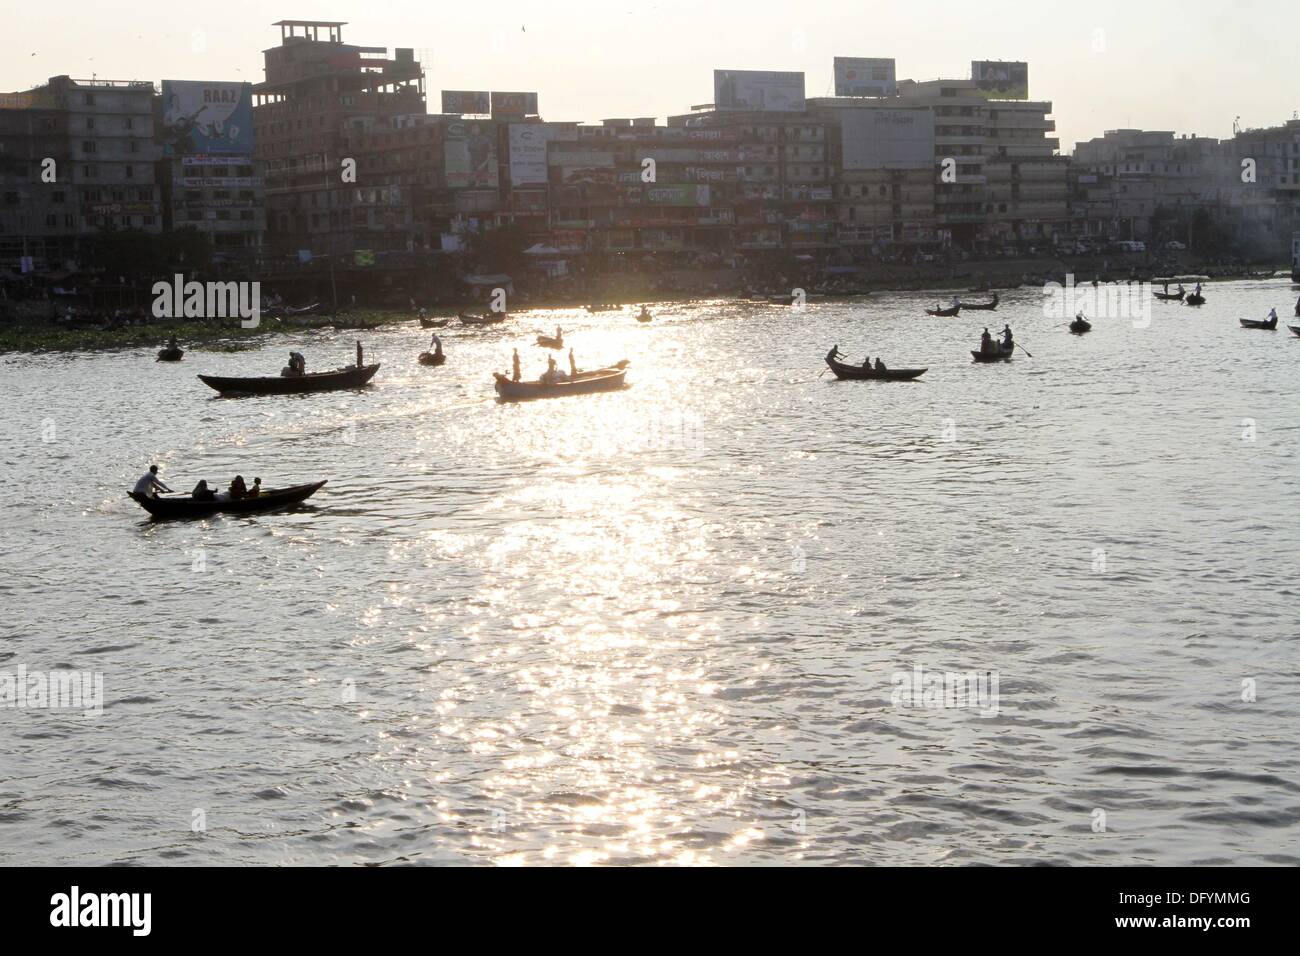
(149, 484)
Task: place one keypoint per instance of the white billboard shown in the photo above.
(887, 139)
(865, 76)
(764, 90)
(528, 151)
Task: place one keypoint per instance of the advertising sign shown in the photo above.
(202, 117)
(887, 139)
(514, 104)
(865, 76)
(677, 195)
(470, 150)
(528, 152)
(762, 90)
(466, 101)
(996, 80)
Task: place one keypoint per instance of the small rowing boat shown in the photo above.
(350, 377)
(864, 374)
(432, 358)
(1080, 326)
(1170, 296)
(184, 506)
(170, 355)
(999, 354)
(550, 342)
(982, 306)
(1294, 328)
(1195, 299)
(427, 323)
(945, 313)
(597, 380)
(1268, 324)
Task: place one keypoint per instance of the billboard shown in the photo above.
(865, 76)
(470, 152)
(202, 117)
(677, 195)
(466, 101)
(764, 90)
(887, 139)
(528, 151)
(996, 80)
(514, 104)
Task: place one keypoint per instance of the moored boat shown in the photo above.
(184, 506)
(862, 373)
(351, 377)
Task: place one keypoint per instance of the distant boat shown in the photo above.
(597, 380)
(350, 377)
(1195, 299)
(983, 306)
(1170, 296)
(432, 358)
(603, 307)
(862, 373)
(426, 323)
(1294, 328)
(1080, 326)
(1268, 324)
(550, 342)
(490, 318)
(945, 313)
(170, 354)
(184, 506)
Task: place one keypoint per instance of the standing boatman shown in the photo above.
(515, 363)
(358, 353)
(573, 366)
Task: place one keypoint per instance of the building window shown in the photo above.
(90, 122)
(88, 146)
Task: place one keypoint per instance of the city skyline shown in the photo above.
(1087, 72)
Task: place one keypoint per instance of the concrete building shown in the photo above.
(316, 89)
(1257, 188)
(39, 221)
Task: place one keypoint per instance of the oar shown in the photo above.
(1023, 349)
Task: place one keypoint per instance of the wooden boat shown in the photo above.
(1268, 324)
(183, 506)
(550, 342)
(647, 317)
(1080, 326)
(999, 354)
(350, 377)
(983, 306)
(427, 323)
(1294, 328)
(605, 380)
(170, 355)
(1194, 299)
(432, 358)
(945, 313)
(603, 307)
(489, 318)
(859, 373)
(1171, 296)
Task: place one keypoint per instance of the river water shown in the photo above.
(669, 624)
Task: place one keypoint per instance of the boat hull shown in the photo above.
(186, 507)
(606, 380)
(432, 358)
(547, 342)
(1080, 328)
(945, 313)
(859, 374)
(1001, 355)
(1258, 324)
(1195, 300)
(352, 377)
(169, 355)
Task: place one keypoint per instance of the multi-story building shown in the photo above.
(210, 181)
(315, 91)
(39, 217)
(1257, 187)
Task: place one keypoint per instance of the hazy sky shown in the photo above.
(1185, 65)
